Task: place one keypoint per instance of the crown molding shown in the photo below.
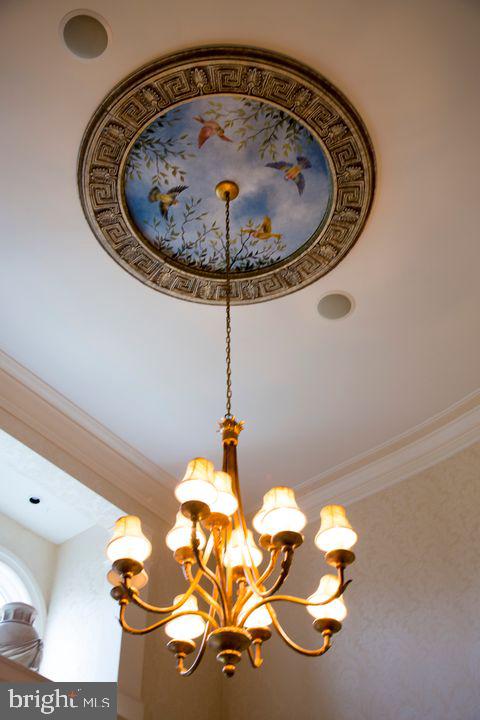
(407, 454)
(46, 421)
(54, 427)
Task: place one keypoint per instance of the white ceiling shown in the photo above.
(66, 506)
(313, 392)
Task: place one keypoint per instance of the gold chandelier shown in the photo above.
(240, 606)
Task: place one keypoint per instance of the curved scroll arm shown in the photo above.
(327, 639)
(246, 594)
(186, 672)
(137, 600)
(212, 577)
(291, 598)
(285, 569)
(150, 628)
(209, 599)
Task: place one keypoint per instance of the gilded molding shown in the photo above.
(153, 90)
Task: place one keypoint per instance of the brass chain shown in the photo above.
(228, 324)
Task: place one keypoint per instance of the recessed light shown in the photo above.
(335, 306)
(34, 500)
(85, 35)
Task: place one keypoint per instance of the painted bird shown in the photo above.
(167, 199)
(209, 128)
(293, 172)
(263, 231)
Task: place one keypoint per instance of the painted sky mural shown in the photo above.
(173, 168)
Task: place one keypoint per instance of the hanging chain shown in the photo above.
(228, 324)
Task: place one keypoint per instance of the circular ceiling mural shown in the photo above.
(162, 140)
(172, 170)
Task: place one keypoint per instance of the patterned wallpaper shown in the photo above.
(410, 647)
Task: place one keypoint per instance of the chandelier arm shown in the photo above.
(186, 672)
(217, 540)
(285, 569)
(209, 599)
(136, 599)
(150, 628)
(295, 600)
(213, 578)
(327, 637)
(243, 593)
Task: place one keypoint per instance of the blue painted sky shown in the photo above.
(263, 190)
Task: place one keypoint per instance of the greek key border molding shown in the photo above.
(172, 80)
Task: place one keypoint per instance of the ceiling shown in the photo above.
(313, 392)
(66, 508)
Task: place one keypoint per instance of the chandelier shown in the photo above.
(223, 571)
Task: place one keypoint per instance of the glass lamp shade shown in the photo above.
(226, 502)
(181, 534)
(258, 518)
(281, 512)
(335, 532)
(186, 627)
(197, 483)
(136, 581)
(128, 540)
(237, 553)
(335, 609)
(258, 618)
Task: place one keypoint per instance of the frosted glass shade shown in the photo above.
(136, 581)
(237, 553)
(186, 627)
(281, 512)
(197, 483)
(335, 532)
(258, 518)
(181, 534)
(128, 540)
(226, 502)
(258, 618)
(335, 609)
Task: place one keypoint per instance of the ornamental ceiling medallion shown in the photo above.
(163, 138)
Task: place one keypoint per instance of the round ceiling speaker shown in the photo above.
(84, 35)
(335, 306)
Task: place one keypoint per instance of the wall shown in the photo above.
(37, 554)
(410, 646)
(82, 614)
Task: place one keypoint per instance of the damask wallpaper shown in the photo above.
(410, 647)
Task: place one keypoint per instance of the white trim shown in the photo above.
(28, 579)
(54, 427)
(423, 446)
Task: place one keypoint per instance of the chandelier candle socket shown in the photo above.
(239, 599)
(137, 582)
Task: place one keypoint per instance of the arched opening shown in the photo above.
(17, 584)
